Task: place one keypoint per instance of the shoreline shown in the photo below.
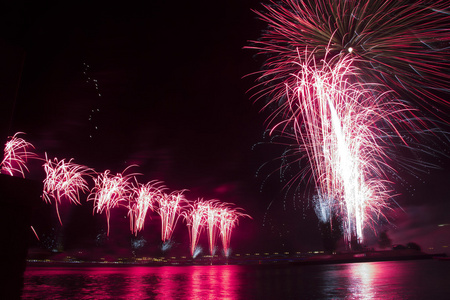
(320, 259)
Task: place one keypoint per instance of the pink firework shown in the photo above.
(170, 206)
(212, 221)
(16, 155)
(400, 44)
(143, 199)
(397, 47)
(338, 125)
(64, 180)
(228, 218)
(109, 191)
(196, 219)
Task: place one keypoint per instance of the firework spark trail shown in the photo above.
(196, 219)
(64, 180)
(109, 191)
(169, 209)
(400, 44)
(144, 197)
(212, 221)
(16, 155)
(35, 233)
(228, 218)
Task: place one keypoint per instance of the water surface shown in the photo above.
(424, 279)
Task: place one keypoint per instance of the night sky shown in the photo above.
(164, 86)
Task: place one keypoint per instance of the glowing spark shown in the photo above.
(16, 155)
(197, 251)
(64, 180)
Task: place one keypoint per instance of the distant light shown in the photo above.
(442, 225)
(350, 49)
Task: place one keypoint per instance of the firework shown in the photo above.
(228, 218)
(143, 199)
(109, 191)
(195, 219)
(16, 155)
(212, 221)
(342, 128)
(64, 180)
(401, 44)
(169, 209)
(336, 70)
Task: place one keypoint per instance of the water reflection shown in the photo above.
(213, 283)
(192, 282)
(379, 280)
(369, 280)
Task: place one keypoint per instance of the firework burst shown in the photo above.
(195, 219)
(143, 199)
(109, 191)
(169, 209)
(212, 220)
(342, 128)
(228, 218)
(64, 180)
(401, 44)
(335, 71)
(16, 155)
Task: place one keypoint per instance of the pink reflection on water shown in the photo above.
(372, 280)
(177, 282)
(425, 279)
(362, 276)
(210, 282)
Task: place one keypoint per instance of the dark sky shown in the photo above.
(162, 86)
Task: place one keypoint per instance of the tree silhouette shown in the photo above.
(383, 240)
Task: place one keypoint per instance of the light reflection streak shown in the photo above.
(363, 276)
(213, 283)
